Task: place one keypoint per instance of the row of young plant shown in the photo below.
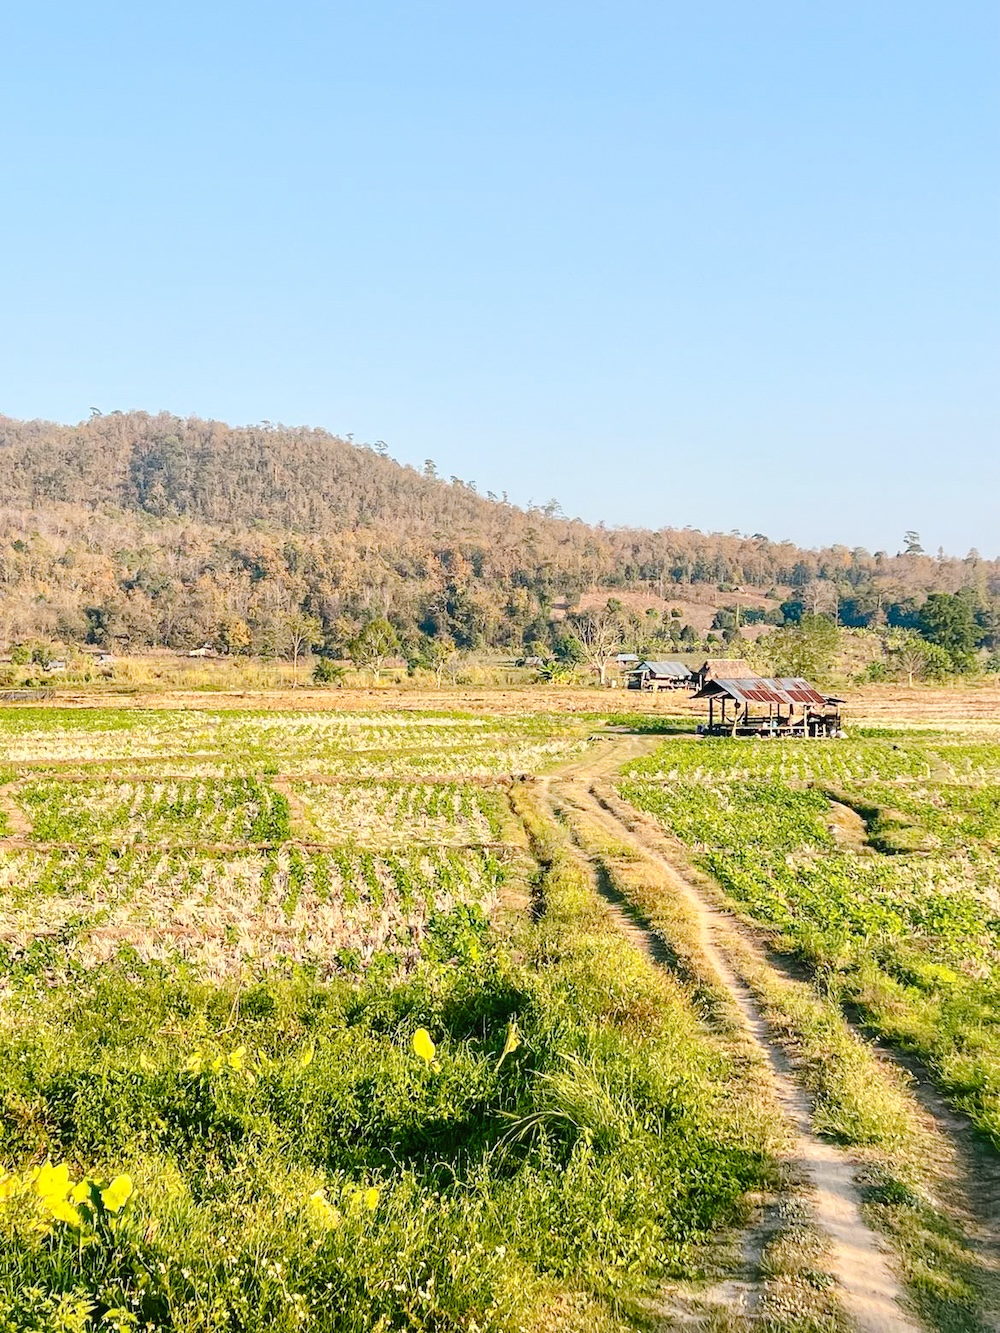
(789, 761)
(263, 724)
(890, 758)
(248, 809)
(379, 812)
(62, 914)
(200, 810)
(520, 1127)
(285, 740)
(914, 940)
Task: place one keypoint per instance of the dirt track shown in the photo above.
(868, 1285)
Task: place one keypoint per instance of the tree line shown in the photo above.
(133, 530)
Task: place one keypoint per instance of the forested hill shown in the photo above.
(158, 529)
(302, 480)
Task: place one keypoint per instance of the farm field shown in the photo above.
(952, 706)
(283, 1046)
(328, 1019)
(876, 860)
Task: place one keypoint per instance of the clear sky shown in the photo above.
(722, 264)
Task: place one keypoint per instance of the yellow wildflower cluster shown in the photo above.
(200, 1062)
(57, 1199)
(354, 1200)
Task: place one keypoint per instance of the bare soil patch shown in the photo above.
(874, 705)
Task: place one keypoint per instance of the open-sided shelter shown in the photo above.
(766, 706)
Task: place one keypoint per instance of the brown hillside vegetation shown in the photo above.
(142, 529)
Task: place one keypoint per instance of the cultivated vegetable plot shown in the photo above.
(395, 813)
(961, 816)
(252, 913)
(368, 745)
(236, 844)
(208, 810)
(787, 760)
(903, 919)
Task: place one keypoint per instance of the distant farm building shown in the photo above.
(723, 668)
(762, 706)
(660, 676)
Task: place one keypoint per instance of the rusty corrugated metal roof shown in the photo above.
(764, 690)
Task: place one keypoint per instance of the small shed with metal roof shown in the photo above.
(736, 707)
(661, 676)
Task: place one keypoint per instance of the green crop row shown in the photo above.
(911, 938)
(369, 744)
(192, 810)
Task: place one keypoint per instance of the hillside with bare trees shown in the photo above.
(157, 530)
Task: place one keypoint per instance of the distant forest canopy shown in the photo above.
(141, 530)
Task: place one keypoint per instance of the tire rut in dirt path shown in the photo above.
(870, 1291)
(974, 1191)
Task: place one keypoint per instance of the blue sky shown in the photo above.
(724, 265)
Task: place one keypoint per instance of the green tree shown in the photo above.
(374, 643)
(327, 672)
(912, 656)
(806, 649)
(433, 654)
(949, 620)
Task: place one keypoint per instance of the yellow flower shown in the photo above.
(116, 1195)
(196, 1062)
(9, 1186)
(363, 1199)
(306, 1058)
(81, 1193)
(52, 1182)
(323, 1210)
(237, 1058)
(63, 1211)
(423, 1046)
